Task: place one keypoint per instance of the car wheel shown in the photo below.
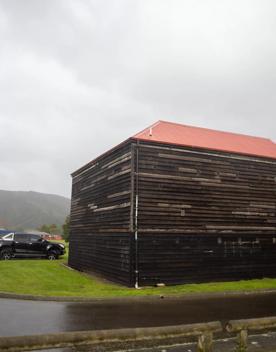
(6, 254)
(52, 255)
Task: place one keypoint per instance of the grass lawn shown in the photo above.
(52, 278)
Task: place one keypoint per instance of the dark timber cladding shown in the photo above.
(100, 216)
(152, 211)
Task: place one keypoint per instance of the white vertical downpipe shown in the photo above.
(136, 241)
(136, 221)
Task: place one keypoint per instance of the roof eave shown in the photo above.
(90, 163)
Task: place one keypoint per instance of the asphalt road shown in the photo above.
(32, 317)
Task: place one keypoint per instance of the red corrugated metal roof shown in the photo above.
(174, 133)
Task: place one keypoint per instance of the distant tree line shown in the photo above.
(54, 229)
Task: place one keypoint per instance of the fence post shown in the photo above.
(242, 340)
(205, 342)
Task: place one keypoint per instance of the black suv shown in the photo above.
(28, 245)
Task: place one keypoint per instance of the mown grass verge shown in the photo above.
(52, 278)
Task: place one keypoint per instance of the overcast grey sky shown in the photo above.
(78, 77)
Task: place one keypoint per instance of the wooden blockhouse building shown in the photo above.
(177, 204)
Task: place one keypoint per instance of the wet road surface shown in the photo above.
(33, 317)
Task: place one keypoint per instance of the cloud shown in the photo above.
(78, 77)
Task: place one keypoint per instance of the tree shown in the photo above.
(66, 228)
(52, 229)
(44, 228)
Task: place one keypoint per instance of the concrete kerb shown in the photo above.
(131, 299)
(139, 337)
(65, 339)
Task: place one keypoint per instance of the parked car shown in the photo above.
(28, 245)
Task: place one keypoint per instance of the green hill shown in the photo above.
(25, 210)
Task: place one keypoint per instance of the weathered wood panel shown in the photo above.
(181, 258)
(225, 194)
(204, 216)
(104, 253)
(100, 216)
